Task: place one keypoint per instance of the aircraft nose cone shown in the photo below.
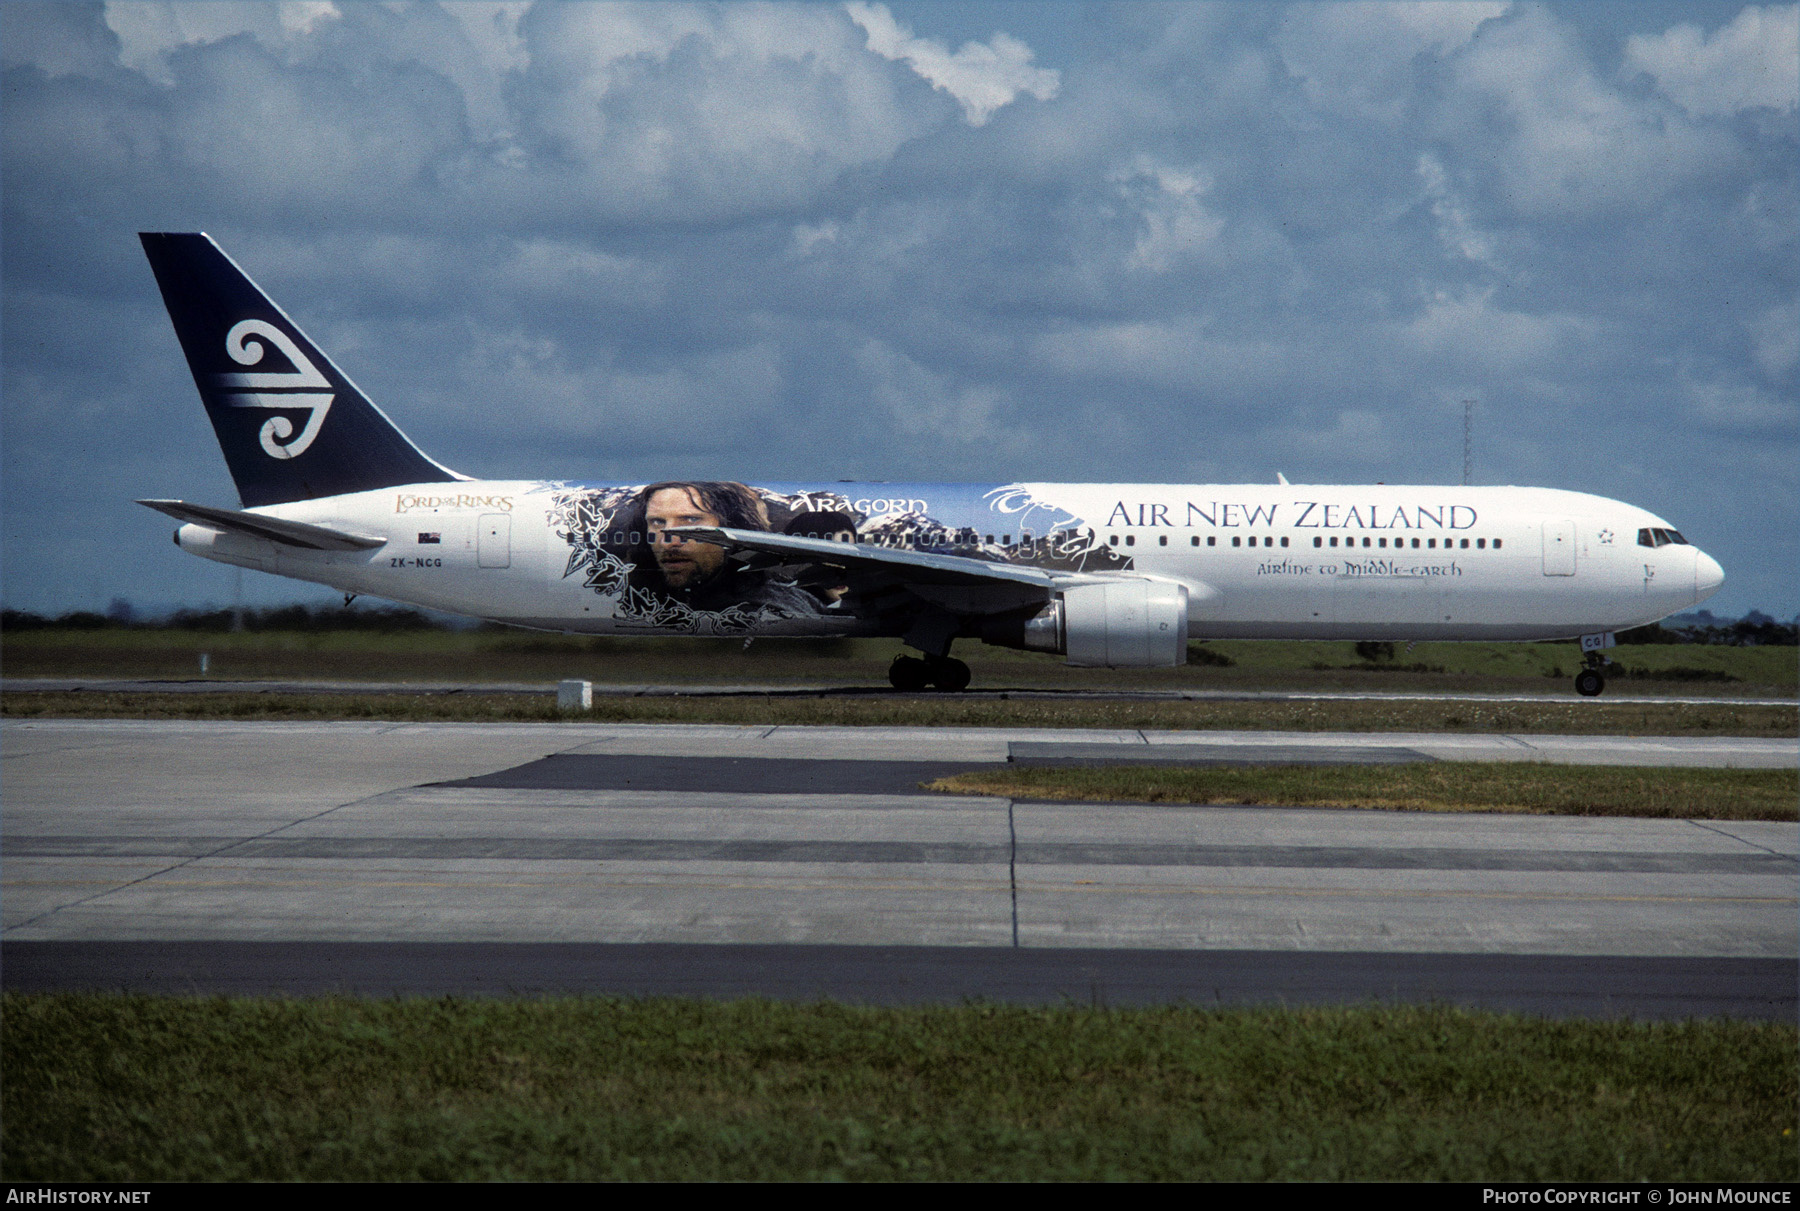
(1708, 576)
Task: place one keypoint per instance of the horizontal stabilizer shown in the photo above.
(274, 529)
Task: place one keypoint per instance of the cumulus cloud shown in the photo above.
(1776, 333)
(1567, 141)
(518, 380)
(1367, 436)
(1184, 356)
(622, 241)
(1752, 62)
(1467, 330)
(1173, 224)
(149, 30)
(493, 29)
(654, 109)
(982, 76)
(925, 403)
(1358, 54)
(1456, 229)
(1740, 407)
(809, 236)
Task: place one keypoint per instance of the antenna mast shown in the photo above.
(1468, 425)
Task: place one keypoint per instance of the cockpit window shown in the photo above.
(1659, 537)
(1676, 538)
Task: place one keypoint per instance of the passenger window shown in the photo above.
(1496, 544)
(1162, 540)
(1212, 540)
(1236, 541)
(1131, 540)
(1465, 544)
(1383, 544)
(1284, 541)
(1365, 542)
(1334, 540)
(1431, 544)
(1319, 542)
(1194, 541)
(1481, 544)
(1415, 544)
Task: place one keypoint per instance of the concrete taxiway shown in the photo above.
(262, 846)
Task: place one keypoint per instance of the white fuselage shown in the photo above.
(1287, 561)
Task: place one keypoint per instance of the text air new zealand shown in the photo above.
(1119, 575)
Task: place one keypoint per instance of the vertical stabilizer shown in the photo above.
(292, 426)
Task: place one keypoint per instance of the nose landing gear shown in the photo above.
(910, 674)
(1591, 679)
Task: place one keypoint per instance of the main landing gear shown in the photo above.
(912, 674)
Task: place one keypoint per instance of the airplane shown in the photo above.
(1105, 575)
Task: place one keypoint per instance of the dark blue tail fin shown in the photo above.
(292, 426)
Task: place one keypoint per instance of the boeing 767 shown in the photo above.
(1116, 575)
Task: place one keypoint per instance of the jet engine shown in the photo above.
(1114, 624)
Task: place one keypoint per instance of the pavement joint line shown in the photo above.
(52, 911)
(778, 883)
(45, 752)
(1709, 827)
(1012, 870)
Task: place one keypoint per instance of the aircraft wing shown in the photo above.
(914, 567)
(274, 529)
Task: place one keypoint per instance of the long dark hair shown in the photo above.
(735, 505)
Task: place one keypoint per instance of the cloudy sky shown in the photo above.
(1186, 242)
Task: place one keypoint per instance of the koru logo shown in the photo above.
(276, 389)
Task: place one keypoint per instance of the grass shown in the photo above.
(1448, 786)
(520, 656)
(1553, 716)
(135, 1089)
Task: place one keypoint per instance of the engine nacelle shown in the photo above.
(1117, 624)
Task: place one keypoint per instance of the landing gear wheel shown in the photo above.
(1589, 683)
(951, 675)
(909, 674)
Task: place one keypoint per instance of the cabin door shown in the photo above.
(1559, 548)
(493, 541)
